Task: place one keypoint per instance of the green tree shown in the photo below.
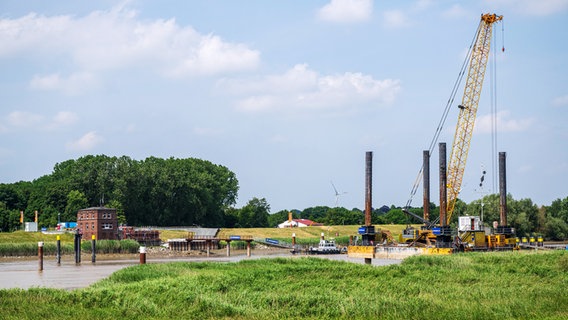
(316, 214)
(76, 200)
(556, 229)
(254, 214)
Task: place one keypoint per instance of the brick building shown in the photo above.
(99, 221)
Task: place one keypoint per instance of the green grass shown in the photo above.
(15, 249)
(508, 285)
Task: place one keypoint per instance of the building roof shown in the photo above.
(298, 222)
(305, 221)
(97, 208)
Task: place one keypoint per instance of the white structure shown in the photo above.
(465, 223)
(298, 223)
(30, 227)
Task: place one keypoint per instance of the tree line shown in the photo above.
(175, 192)
(153, 191)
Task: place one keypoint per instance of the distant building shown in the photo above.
(298, 223)
(101, 222)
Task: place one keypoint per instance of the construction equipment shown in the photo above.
(468, 109)
(477, 57)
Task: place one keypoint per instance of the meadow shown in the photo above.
(505, 285)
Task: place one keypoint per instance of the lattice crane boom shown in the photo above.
(468, 109)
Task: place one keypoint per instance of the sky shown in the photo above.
(289, 95)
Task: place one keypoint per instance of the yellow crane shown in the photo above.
(468, 109)
(477, 59)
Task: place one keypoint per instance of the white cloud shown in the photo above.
(213, 56)
(33, 121)
(24, 119)
(118, 39)
(62, 119)
(302, 88)
(484, 124)
(86, 142)
(395, 19)
(346, 11)
(531, 7)
(75, 83)
(560, 101)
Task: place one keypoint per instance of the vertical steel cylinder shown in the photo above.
(58, 250)
(368, 187)
(502, 189)
(93, 249)
(77, 244)
(443, 184)
(426, 183)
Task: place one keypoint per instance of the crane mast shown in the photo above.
(468, 109)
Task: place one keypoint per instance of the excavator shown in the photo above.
(438, 232)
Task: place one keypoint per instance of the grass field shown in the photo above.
(508, 285)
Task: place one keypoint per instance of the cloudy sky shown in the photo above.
(289, 95)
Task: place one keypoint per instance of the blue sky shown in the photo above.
(289, 95)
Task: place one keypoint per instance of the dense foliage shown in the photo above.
(150, 192)
(509, 285)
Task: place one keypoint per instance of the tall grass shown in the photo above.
(13, 249)
(468, 286)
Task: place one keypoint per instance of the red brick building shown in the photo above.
(99, 221)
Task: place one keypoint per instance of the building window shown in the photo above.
(107, 226)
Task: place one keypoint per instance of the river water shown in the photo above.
(24, 273)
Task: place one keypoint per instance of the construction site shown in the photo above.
(438, 236)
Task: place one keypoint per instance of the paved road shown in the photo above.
(25, 274)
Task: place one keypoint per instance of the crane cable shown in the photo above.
(444, 117)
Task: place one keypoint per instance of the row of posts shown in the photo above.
(77, 249)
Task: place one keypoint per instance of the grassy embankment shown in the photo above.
(508, 285)
(21, 243)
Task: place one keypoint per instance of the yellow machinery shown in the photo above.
(468, 109)
(478, 58)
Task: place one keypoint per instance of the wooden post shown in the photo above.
(142, 255)
(248, 248)
(228, 248)
(40, 254)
